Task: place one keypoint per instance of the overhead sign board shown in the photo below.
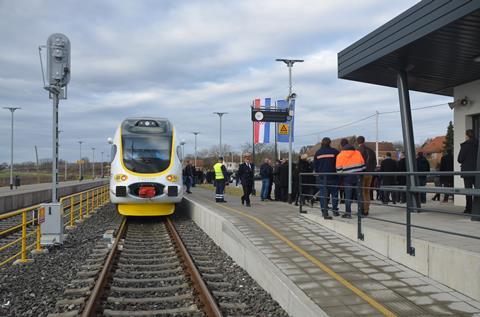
(270, 115)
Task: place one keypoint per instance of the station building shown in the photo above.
(433, 47)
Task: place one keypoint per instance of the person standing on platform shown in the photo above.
(422, 166)
(283, 175)
(220, 178)
(276, 180)
(370, 159)
(246, 175)
(266, 172)
(402, 179)
(303, 166)
(324, 162)
(269, 192)
(446, 165)
(188, 174)
(388, 165)
(348, 162)
(467, 157)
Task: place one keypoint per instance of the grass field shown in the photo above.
(230, 190)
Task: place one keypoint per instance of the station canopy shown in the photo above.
(436, 41)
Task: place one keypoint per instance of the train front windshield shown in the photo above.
(146, 153)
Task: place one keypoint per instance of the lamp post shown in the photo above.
(101, 167)
(80, 176)
(289, 63)
(220, 115)
(195, 157)
(12, 110)
(93, 163)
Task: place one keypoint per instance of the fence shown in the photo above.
(20, 231)
(323, 186)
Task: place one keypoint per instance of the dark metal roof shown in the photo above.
(435, 40)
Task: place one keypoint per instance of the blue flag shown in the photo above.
(283, 128)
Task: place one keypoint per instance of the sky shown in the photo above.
(184, 60)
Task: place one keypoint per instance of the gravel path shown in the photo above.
(33, 289)
(258, 301)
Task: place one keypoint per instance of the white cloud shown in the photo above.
(185, 59)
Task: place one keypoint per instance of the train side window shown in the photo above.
(113, 153)
(179, 152)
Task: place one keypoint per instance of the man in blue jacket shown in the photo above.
(324, 162)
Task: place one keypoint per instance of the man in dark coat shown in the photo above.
(422, 166)
(388, 165)
(246, 176)
(188, 174)
(283, 177)
(446, 165)
(370, 159)
(266, 172)
(304, 166)
(324, 162)
(402, 180)
(276, 180)
(467, 157)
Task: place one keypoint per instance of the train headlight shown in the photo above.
(172, 178)
(121, 177)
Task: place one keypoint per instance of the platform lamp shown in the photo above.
(195, 157)
(220, 115)
(289, 63)
(12, 110)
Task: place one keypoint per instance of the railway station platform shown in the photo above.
(312, 270)
(29, 195)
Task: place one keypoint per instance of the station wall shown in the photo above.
(463, 120)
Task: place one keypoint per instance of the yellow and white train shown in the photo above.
(146, 171)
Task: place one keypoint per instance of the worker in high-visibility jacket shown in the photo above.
(220, 180)
(349, 161)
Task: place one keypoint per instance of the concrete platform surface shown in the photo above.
(29, 195)
(341, 276)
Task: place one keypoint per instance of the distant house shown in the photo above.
(383, 147)
(433, 150)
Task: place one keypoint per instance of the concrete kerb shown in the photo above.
(429, 258)
(246, 255)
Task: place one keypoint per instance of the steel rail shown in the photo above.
(95, 296)
(210, 306)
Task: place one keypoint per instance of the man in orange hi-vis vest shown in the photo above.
(350, 161)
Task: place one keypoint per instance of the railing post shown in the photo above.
(72, 211)
(93, 199)
(87, 205)
(39, 237)
(80, 210)
(300, 194)
(24, 237)
(410, 204)
(359, 195)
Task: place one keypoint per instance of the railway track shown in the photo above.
(146, 272)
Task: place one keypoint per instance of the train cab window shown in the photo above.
(146, 153)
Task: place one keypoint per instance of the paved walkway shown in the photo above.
(6, 191)
(342, 277)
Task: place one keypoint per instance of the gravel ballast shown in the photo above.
(258, 301)
(33, 289)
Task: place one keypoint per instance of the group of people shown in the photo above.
(337, 169)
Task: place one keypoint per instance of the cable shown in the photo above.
(368, 117)
(339, 127)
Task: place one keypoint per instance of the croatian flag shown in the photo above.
(262, 129)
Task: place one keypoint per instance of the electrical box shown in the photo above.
(58, 60)
(52, 228)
